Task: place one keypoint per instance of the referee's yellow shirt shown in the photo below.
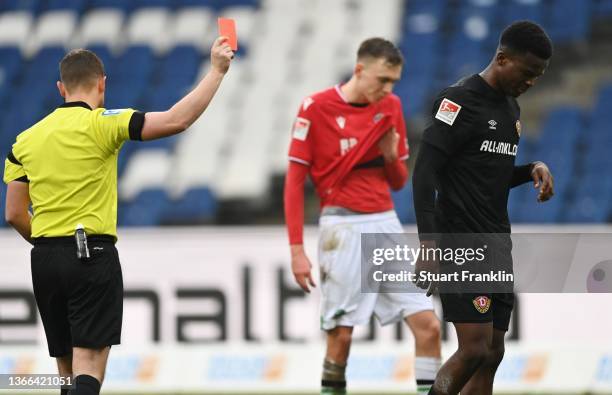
(69, 159)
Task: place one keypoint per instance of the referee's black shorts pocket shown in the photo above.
(96, 298)
(99, 253)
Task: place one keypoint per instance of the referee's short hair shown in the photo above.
(379, 48)
(526, 36)
(80, 68)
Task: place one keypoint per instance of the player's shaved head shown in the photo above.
(523, 37)
(80, 68)
(379, 48)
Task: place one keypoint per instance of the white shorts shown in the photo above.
(342, 302)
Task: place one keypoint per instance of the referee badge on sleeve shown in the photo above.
(113, 112)
(300, 128)
(448, 111)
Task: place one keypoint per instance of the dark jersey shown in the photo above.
(478, 128)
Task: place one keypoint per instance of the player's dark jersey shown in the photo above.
(479, 129)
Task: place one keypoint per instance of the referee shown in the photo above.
(65, 166)
(468, 158)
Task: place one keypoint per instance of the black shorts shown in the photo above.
(478, 308)
(480, 302)
(80, 301)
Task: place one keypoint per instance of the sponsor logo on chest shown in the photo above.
(499, 147)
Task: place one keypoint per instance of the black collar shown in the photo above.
(75, 104)
(477, 83)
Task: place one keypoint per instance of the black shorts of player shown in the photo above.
(478, 308)
(483, 302)
(80, 300)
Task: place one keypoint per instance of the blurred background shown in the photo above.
(228, 169)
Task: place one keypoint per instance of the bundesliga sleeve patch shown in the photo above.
(448, 111)
(300, 128)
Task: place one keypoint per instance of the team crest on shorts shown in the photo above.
(482, 304)
(518, 127)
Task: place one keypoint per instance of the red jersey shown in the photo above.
(338, 141)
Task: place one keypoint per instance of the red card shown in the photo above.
(227, 28)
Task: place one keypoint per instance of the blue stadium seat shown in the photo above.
(119, 95)
(104, 54)
(2, 205)
(124, 5)
(196, 3)
(10, 63)
(125, 153)
(492, 16)
(196, 206)
(421, 51)
(602, 8)
(77, 6)
(514, 10)
(180, 66)
(404, 205)
(466, 43)
(151, 3)
(221, 4)
(167, 143)
(216, 4)
(32, 98)
(568, 20)
(534, 212)
(128, 76)
(136, 63)
(174, 77)
(434, 7)
(599, 122)
(466, 56)
(41, 74)
(32, 6)
(563, 126)
(414, 92)
(145, 210)
(592, 200)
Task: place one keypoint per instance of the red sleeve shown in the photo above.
(294, 201)
(301, 134)
(396, 173)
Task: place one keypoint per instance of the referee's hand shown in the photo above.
(543, 179)
(301, 268)
(221, 55)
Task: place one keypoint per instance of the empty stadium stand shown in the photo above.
(155, 50)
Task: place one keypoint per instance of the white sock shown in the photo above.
(425, 369)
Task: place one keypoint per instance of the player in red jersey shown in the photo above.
(351, 140)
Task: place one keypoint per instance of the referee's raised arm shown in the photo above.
(65, 166)
(185, 112)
